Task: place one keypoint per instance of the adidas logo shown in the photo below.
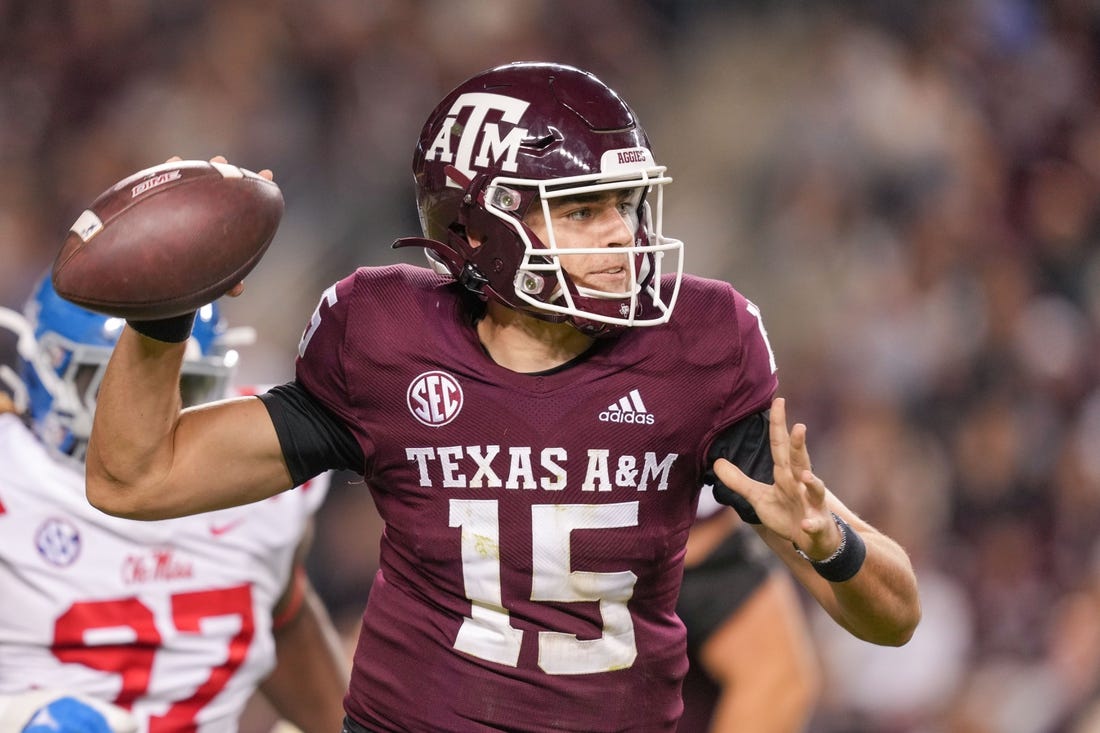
(629, 409)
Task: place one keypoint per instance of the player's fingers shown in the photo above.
(815, 488)
(816, 523)
(173, 159)
(736, 480)
(780, 438)
(802, 468)
(265, 173)
(800, 453)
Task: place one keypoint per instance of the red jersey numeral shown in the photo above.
(128, 640)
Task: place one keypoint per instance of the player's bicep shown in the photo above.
(225, 454)
(313, 438)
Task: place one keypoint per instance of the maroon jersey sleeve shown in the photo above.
(320, 364)
(755, 378)
(734, 326)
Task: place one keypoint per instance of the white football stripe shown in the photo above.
(228, 171)
(87, 225)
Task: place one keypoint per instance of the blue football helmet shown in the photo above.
(63, 351)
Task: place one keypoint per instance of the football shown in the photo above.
(167, 240)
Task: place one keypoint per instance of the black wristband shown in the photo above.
(169, 330)
(846, 560)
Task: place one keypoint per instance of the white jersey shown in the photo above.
(170, 619)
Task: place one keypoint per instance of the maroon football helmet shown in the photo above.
(527, 133)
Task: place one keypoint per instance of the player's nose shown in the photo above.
(617, 229)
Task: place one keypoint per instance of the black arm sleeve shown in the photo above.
(312, 438)
(746, 445)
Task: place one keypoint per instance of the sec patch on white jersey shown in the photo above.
(169, 619)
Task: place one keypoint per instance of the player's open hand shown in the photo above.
(794, 507)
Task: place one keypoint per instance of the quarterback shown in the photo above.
(534, 415)
(111, 624)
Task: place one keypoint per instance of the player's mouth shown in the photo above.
(613, 279)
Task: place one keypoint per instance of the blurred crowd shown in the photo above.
(909, 190)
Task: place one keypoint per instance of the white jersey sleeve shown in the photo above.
(168, 619)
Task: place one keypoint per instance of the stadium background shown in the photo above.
(909, 190)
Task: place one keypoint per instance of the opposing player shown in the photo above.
(753, 665)
(111, 624)
(534, 425)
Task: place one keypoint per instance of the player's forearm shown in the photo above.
(308, 684)
(765, 705)
(148, 460)
(879, 603)
(765, 660)
(137, 409)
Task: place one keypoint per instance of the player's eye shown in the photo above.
(631, 198)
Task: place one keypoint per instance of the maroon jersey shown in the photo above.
(535, 524)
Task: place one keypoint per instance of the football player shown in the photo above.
(532, 421)
(111, 624)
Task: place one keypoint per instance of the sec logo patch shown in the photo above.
(58, 541)
(434, 398)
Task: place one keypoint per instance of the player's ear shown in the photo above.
(474, 238)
